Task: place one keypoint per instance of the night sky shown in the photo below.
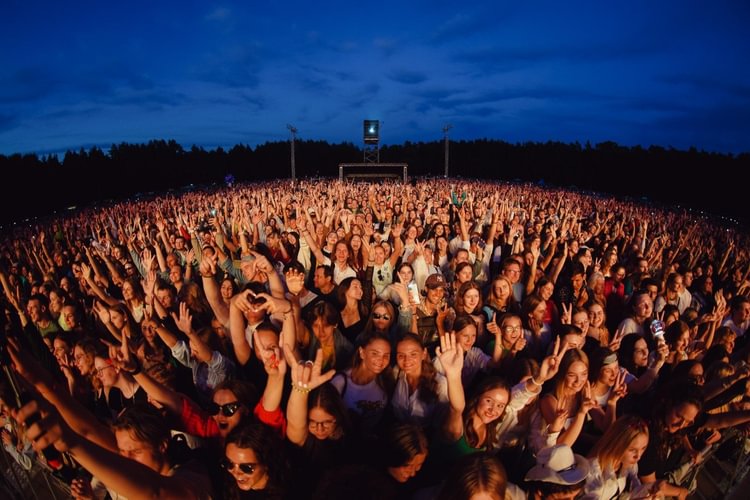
(84, 73)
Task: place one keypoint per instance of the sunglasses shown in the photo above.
(227, 409)
(228, 466)
(380, 316)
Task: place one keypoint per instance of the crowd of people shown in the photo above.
(444, 339)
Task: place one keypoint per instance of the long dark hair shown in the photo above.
(384, 378)
(269, 450)
(328, 398)
(673, 395)
(427, 385)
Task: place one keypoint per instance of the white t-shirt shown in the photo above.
(367, 401)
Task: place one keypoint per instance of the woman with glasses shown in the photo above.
(117, 390)
(508, 332)
(317, 421)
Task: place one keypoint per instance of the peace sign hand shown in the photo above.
(567, 315)
(551, 363)
(561, 415)
(588, 402)
(619, 390)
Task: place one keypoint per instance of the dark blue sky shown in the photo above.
(84, 73)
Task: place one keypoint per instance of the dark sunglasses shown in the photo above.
(380, 316)
(227, 409)
(228, 465)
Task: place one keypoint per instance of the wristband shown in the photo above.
(137, 369)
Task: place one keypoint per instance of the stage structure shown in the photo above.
(372, 141)
(371, 168)
(374, 171)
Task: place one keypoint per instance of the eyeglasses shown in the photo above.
(380, 316)
(227, 409)
(229, 466)
(100, 370)
(511, 329)
(324, 424)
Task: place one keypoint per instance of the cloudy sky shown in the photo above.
(83, 73)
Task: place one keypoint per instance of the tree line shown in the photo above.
(39, 185)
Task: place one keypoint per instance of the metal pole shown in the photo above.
(446, 128)
(293, 130)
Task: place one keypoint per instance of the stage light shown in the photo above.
(372, 131)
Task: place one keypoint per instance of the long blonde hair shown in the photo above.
(614, 443)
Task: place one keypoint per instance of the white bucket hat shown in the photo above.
(559, 465)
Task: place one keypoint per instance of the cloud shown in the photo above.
(8, 122)
(388, 46)
(735, 90)
(219, 14)
(409, 77)
(27, 85)
(461, 26)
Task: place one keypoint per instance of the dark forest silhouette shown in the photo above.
(702, 180)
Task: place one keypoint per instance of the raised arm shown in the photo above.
(451, 357)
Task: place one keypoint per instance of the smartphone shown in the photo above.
(212, 212)
(481, 244)
(413, 292)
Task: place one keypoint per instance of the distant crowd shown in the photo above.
(446, 339)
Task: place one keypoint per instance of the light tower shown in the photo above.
(372, 141)
(293, 130)
(446, 128)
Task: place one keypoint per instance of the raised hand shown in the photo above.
(450, 354)
(295, 281)
(551, 363)
(614, 344)
(306, 375)
(270, 354)
(561, 415)
(493, 328)
(85, 271)
(102, 312)
(567, 315)
(619, 389)
(519, 345)
(185, 320)
(587, 403)
(242, 300)
(207, 266)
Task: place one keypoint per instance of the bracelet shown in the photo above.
(300, 389)
(138, 368)
(535, 382)
(207, 275)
